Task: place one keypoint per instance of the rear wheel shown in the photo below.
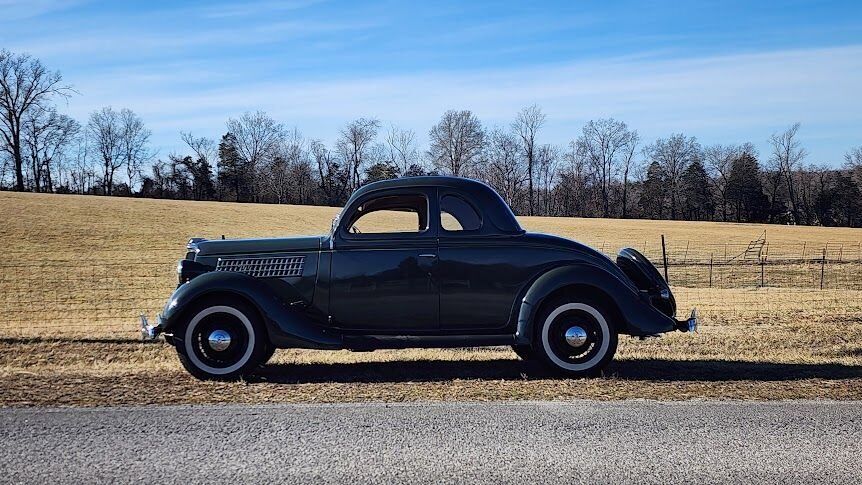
(222, 340)
(576, 338)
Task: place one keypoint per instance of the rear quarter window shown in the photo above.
(456, 214)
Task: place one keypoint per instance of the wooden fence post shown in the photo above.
(822, 267)
(710, 269)
(664, 258)
(762, 261)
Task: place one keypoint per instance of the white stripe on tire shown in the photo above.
(606, 337)
(190, 351)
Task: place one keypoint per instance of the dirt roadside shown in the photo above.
(96, 373)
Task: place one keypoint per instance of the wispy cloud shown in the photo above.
(725, 98)
(315, 64)
(111, 43)
(24, 9)
(252, 8)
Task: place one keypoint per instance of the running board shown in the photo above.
(366, 342)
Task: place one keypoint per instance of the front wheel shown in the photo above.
(222, 340)
(576, 338)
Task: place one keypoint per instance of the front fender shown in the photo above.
(639, 316)
(286, 326)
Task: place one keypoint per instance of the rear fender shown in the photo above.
(638, 315)
(285, 325)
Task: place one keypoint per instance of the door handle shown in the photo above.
(427, 255)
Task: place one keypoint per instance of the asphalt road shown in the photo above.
(530, 442)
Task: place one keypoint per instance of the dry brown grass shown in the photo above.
(92, 225)
(754, 343)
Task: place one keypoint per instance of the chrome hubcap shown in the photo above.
(219, 340)
(576, 336)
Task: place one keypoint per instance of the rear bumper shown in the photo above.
(689, 325)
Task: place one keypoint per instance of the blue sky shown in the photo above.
(723, 71)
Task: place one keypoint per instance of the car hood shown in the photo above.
(251, 246)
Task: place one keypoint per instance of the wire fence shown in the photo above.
(101, 294)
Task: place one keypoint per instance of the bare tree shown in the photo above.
(5, 168)
(282, 178)
(204, 148)
(120, 140)
(403, 151)
(47, 135)
(134, 140)
(82, 174)
(788, 155)
(456, 142)
(718, 160)
(547, 158)
(334, 179)
(357, 148)
(504, 168)
(605, 145)
(527, 125)
(24, 85)
(853, 163)
(105, 132)
(257, 137)
(574, 183)
(674, 155)
(629, 149)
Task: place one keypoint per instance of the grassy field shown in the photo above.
(77, 270)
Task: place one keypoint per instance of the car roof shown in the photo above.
(489, 202)
(424, 181)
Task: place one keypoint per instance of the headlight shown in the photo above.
(187, 269)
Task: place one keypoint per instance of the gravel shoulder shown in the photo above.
(102, 373)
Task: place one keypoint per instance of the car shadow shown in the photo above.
(634, 369)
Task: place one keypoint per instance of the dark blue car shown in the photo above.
(450, 267)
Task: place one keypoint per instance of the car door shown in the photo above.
(383, 260)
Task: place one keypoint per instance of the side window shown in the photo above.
(456, 214)
(390, 214)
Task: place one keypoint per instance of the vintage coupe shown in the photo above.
(412, 262)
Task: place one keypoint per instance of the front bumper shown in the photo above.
(150, 332)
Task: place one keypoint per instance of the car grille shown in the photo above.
(264, 267)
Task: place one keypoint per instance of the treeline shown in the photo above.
(605, 171)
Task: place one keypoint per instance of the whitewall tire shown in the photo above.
(576, 338)
(222, 341)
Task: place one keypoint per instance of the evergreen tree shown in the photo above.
(415, 170)
(697, 193)
(380, 171)
(847, 199)
(653, 192)
(231, 170)
(745, 190)
(201, 172)
(838, 202)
